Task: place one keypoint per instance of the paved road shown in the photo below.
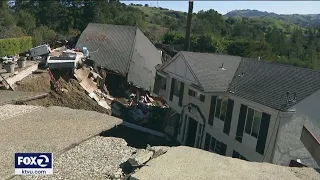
(40, 129)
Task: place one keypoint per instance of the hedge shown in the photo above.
(12, 46)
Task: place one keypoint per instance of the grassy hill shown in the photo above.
(308, 20)
(160, 20)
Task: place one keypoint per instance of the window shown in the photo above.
(207, 142)
(221, 108)
(197, 95)
(177, 87)
(163, 83)
(159, 84)
(253, 121)
(217, 147)
(235, 154)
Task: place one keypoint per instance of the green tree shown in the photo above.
(26, 21)
(173, 38)
(44, 34)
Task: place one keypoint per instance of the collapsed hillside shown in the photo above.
(74, 96)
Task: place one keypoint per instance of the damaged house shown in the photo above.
(244, 108)
(124, 52)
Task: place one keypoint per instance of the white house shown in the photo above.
(240, 107)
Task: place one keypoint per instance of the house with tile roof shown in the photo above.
(240, 107)
(122, 50)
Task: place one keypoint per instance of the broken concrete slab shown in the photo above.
(190, 163)
(96, 158)
(140, 157)
(40, 129)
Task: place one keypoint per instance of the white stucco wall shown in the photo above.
(288, 145)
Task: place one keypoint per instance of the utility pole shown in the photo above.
(188, 30)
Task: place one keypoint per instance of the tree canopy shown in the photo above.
(268, 39)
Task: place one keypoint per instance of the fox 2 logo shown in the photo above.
(33, 160)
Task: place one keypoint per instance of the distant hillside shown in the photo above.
(308, 20)
(289, 39)
(159, 20)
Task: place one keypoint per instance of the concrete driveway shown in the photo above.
(41, 129)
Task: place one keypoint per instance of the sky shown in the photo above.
(223, 7)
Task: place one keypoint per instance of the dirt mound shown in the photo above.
(75, 97)
(35, 83)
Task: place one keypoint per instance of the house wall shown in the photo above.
(203, 106)
(247, 147)
(288, 144)
(179, 70)
(144, 59)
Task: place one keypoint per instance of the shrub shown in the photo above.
(13, 46)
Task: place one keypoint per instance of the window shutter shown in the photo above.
(172, 88)
(212, 109)
(264, 128)
(213, 143)
(241, 122)
(207, 142)
(227, 121)
(223, 149)
(181, 93)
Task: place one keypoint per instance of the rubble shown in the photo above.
(140, 157)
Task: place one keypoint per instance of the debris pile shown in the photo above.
(145, 110)
(74, 83)
(90, 81)
(59, 81)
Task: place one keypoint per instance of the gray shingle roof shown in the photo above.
(113, 43)
(267, 83)
(207, 69)
(262, 82)
(122, 49)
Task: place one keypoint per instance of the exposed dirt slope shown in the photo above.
(75, 97)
